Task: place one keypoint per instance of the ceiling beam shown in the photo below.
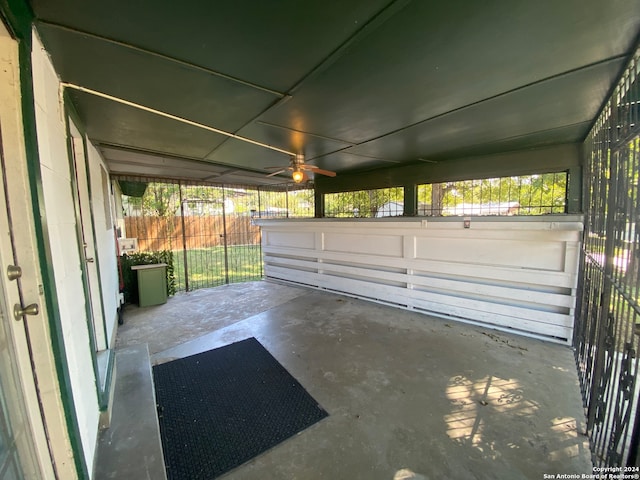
(373, 23)
(162, 56)
(497, 96)
(170, 116)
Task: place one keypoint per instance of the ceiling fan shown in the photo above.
(298, 167)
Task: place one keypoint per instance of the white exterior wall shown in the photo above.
(511, 273)
(60, 222)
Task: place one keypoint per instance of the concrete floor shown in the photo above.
(408, 395)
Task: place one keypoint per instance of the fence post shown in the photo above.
(224, 237)
(287, 200)
(259, 204)
(184, 241)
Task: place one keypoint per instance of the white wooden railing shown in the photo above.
(510, 273)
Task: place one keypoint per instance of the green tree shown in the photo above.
(202, 200)
(301, 203)
(160, 199)
(533, 194)
(632, 212)
(361, 203)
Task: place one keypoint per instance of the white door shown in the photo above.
(87, 239)
(18, 459)
(17, 449)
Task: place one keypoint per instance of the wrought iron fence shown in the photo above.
(383, 202)
(209, 229)
(520, 195)
(539, 194)
(608, 314)
(287, 203)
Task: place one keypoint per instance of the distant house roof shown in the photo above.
(494, 208)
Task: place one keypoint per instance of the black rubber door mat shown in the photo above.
(221, 408)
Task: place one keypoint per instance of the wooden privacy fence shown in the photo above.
(166, 233)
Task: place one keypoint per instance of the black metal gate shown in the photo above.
(608, 315)
(209, 229)
(220, 244)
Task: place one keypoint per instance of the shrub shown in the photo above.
(145, 258)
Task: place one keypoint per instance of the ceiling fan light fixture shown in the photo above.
(298, 175)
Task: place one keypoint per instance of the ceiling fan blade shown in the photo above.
(319, 170)
(277, 173)
(328, 173)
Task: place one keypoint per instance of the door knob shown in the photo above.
(14, 272)
(19, 312)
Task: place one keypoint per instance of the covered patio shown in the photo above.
(460, 286)
(408, 396)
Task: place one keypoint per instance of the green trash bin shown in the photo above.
(152, 284)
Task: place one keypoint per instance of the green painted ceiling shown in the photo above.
(353, 84)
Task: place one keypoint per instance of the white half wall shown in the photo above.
(517, 274)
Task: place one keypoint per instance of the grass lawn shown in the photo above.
(206, 266)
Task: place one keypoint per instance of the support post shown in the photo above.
(410, 208)
(318, 203)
